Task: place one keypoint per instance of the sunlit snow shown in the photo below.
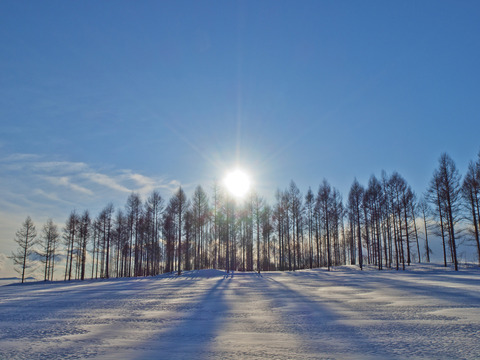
(424, 312)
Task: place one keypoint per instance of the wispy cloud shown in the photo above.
(145, 184)
(43, 187)
(20, 157)
(67, 183)
(106, 181)
(60, 166)
(59, 180)
(47, 195)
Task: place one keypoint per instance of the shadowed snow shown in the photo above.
(424, 312)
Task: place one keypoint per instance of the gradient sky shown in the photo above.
(98, 99)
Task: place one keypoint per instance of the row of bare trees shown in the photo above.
(383, 224)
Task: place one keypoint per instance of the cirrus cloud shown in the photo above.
(43, 187)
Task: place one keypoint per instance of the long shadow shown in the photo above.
(370, 280)
(192, 336)
(362, 281)
(472, 279)
(418, 283)
(36, 314)
(242, 273)
(323, 331)
(410, 282)
(460, 296)
(65, 297)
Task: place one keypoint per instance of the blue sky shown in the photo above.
(98, 99)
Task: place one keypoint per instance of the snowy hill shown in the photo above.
(424, 312)
(12, 280)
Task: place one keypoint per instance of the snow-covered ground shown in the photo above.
(424, 312)
(9, 280)
(13, 280)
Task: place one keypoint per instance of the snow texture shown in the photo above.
(425, 312)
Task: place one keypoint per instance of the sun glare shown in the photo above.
(237, 183)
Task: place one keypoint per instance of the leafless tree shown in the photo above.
(49, 242)
(70, 236)
(471, 196)
(425, 211)
(180, 206)
(445, 191)
(310, 206)
(84, 236)
(26, 239)
(355, 197)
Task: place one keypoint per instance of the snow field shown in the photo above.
(425, 312)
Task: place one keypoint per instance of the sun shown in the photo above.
(237, 183)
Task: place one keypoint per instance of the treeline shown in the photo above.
(383, 223)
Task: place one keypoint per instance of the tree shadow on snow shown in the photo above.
(323, 331)
(192, 336)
